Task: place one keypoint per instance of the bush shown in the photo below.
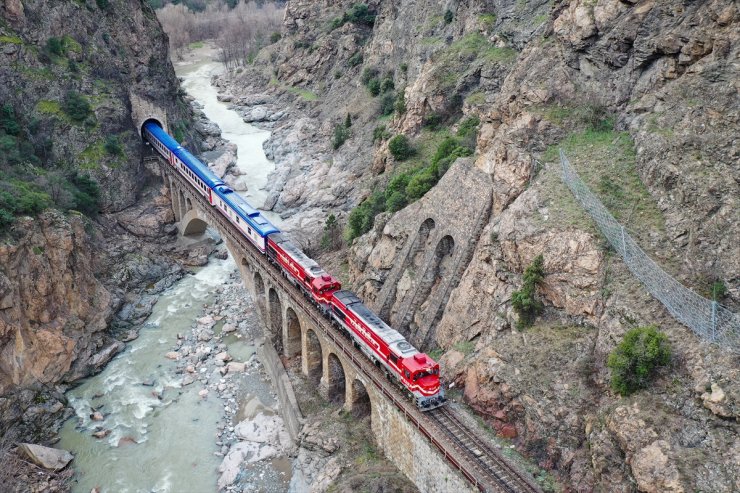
(341, 134)
(331, 239)
(400, 147)
(524, 301)
(8, 120)
(636, 359)
(404, 67)
(380, 133)
(55, 46)
(387, 84)
(76, 106)
(421, 183)
(368, 74)
(387, 104)
(361, 14)
(400, 102)
(448, 16)
(432, 121)
(355, 59)
(102, 4)
(275, 37)
(468, 127)
(348, 121)
(6, 218)
(113, 146)
(336, 23)
(87, 195)
(374, 87)
(362, 217)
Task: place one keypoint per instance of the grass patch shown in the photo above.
(305, 94)
(93, 155)
(476, 99)
(465, 347)
(466, 54)
(49, 107)
(487, 20)
(15, 40)
(196, 45)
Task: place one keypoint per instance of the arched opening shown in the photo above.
(149, 120)
(194, 226)
(411, 264)
(292, 333)
(439, 268)
(336, 384)
(276, 320)
(361, 406)
(189, 204)
(259, 294)
(312, 358)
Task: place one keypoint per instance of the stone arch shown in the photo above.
(259, 294)
(412, 262)
(360, 405)
(193, 224)
(439, 266)
(151, 119)
(336, 383)
(312, 358)
(292, 342)
(245, 264)
(275, 319)
(188, 204)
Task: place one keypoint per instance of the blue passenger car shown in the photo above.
(245, 217)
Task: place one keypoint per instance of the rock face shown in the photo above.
(54, 309)
(66, 278)
(642, 98)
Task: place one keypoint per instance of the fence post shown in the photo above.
(624, 244)
(714, 320)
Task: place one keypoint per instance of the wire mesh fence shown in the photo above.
(708, 319)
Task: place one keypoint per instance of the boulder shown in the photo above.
(46, 457)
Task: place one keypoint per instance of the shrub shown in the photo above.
(396, 201)
(368, 74)
(448, 16)
(362, 217)
(113, 146)
(400, 102)
(29, 199)
(380, 133)
(421, 183)
(102, 4)
(55, 46)
(387, 103)
(400, 147)
(432, 121)
(719, 290)
(524, 301)
(355, 59)
(6, 218)
(8, 120)
(275, 37)
(76, 106)
(374, 87)
(348, 121)
(404, 67)
(387, 84)
(87, 195)
(337, 22)
(361, 14)
(636, 359)
(341, 134)
(468, 127)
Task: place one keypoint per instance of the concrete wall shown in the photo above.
(289, 409)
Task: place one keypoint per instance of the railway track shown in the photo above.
(482, 466)
(502, 476)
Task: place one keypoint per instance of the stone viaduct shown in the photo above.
(342, 373)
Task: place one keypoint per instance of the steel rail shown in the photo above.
(454, 451)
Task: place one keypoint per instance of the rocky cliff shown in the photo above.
(643, 98)
(67, 72)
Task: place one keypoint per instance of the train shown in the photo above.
(415, 372)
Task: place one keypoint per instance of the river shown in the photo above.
(161, 434)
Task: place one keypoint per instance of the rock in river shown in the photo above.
(46, 457)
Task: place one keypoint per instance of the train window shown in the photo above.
(338, 312)
(250, 230)
(237, 219)
(393, 359)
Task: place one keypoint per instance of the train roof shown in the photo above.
(251, 216)
(298, 256)
(204, 172)
(390, 336)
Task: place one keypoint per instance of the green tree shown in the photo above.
(348, 121)
(524, 301)
(373, 86)
(113, 146)
(400, 147)
(87, 196)
(635, 361)
(341, 134)
(361, 14)
(55, 46)
(331, 239)
(449, 16)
